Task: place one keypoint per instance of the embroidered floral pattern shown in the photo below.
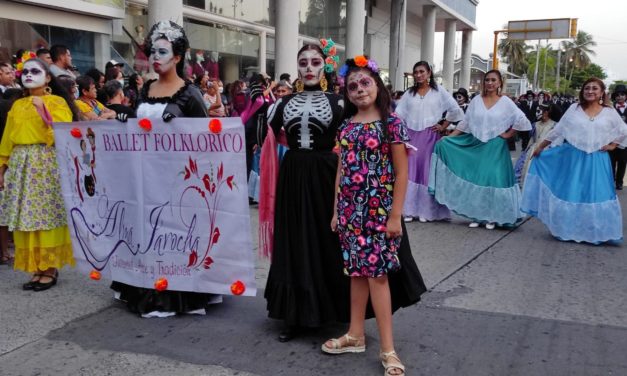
(365, 196)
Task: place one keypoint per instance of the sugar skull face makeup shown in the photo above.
(162, 56)
(310, 67)
(361, 88)
(33, 75)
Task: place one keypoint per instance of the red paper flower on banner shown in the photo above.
(161, 284)
(145, 124)
(75, 132)
(229, 182)
(238, 287)
(207, 263)
(193, 257)
(95, 275)
(215, 126)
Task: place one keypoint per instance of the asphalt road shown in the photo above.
(500, 303)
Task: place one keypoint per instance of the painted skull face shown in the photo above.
(162, 56)
(310, 67)
(33, 75)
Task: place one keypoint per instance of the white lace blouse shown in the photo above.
(486, 124)
(587, 133)
(421, 113)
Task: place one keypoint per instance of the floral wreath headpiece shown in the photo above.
(359, 61)
(329, 49)
(165, 30)
(19, 64)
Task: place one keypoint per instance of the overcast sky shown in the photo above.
(606, 20)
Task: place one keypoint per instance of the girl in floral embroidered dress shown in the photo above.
(372, 181)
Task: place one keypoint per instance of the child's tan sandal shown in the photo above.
(392, 365)
(345, 344)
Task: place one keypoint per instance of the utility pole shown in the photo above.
(557, 73)
(546, 53)
(535, 71)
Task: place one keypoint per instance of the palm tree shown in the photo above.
(514, 53)
(578, 51)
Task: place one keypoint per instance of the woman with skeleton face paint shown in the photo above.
(167, 97)
(305, 285)
(31, 204)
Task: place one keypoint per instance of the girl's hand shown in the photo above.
(334, 223)
(393, 227)
(609, 147)
(38, 102)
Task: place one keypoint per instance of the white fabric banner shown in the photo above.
(149, 200)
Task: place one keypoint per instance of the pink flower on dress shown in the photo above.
(373, 258)
(381, 228)
(350, 157)
(361, 240)
(358, 178)
(371, 143)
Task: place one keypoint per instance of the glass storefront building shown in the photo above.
(232, 51)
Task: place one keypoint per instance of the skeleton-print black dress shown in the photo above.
(306, 284)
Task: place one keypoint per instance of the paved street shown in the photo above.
(500, 303)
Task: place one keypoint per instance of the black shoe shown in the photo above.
(288, 333)
(619, 187)
(31, 284)
(38, 286)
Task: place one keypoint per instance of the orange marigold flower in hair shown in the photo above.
(361, 61)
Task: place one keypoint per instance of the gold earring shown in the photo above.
(324, 84)
(300, 86)
(48, 90)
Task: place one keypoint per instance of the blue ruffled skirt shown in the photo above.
(572, 193)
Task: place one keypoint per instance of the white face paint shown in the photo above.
(33, 75)
(310, 67)
(162, 57)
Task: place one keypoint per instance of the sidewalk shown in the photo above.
(500, 303)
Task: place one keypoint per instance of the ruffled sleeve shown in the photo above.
(60, 113)
(402, 109)
(397, 130)
(6, 146)
(519, 120)
(621, 130)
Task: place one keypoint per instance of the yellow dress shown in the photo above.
(32, 206)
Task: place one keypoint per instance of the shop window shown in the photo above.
(195, 3)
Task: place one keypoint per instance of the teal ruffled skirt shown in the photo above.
(476, 179)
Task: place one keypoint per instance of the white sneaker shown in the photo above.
(473, 224)
(422, 220)
(408, 219)
(490, 226)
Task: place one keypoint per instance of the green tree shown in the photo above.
(514, 52)
(578, 51)
(579, 76)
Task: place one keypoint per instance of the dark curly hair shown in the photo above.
(179, 45)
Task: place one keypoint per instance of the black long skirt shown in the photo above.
(306, 284)
(141, 300)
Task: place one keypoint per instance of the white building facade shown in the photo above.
(233, 38)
